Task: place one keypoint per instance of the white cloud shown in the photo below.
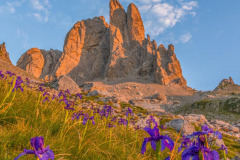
(10, 7)
(164, 15)
(185, 37)
(41, 8)
(145, 7)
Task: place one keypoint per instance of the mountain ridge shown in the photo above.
(94, 49)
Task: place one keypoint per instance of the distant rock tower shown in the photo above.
(4, 54)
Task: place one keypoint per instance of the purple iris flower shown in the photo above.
(210, 155)
(162, 127)
(86, 118)
(1, 74)
(61, 94)
(27, 82)
(46, 99)
(18, 83)
(137, 127)
(68, 105)
(77, 115)
(67, 92)
(40, 89)
(156, 137)
(186, 142)
(191, 153)
(208, 130)
(129, 112)
(114, 119)
(54, 96)
(223, 148)
(78, 95)
(92, 119)
(96, 110)
(122, 121)
(38, 145)
(151, 121)
(10, 73)
(46, 94)
(108, 110)
(218, 134)
(42, 84)
(109, 125)
(168, 158)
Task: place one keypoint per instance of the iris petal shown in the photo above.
(153, 144)
(144, 144)
(47, 155)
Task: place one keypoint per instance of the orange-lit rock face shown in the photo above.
(32, 61)
(39, 63)
(135, 24)
(4, 54)
(95, 50)
(85, 51)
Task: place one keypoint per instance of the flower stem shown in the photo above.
(158, 149)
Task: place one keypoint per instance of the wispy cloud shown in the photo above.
(10, 7)
(22, 35)
(185, 37)
(160, 15)
(41, 8)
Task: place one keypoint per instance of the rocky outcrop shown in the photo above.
(66, 83)
(39, 63)
(134, 56)
(4, 54)
(227, 85)
(135, 24)
(180, 125)
(85, 51)
(95, 50)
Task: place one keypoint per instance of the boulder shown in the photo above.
(93, 93)
(179, 124)
(160, 97)
(64, 83)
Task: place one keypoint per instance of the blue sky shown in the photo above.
(206, 33)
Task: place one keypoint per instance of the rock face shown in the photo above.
(39, 63)
(95, 50)
(85, 51)
(4, 54)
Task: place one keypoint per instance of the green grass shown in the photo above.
(227, 110)
(24, 117)
(136, 109)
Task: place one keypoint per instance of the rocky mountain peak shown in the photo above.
(114, 5)
(225, 82)
(94, 50)
(227, 85)
(135, 24)
(3, 53)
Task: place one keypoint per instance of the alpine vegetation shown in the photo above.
(78, 131)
